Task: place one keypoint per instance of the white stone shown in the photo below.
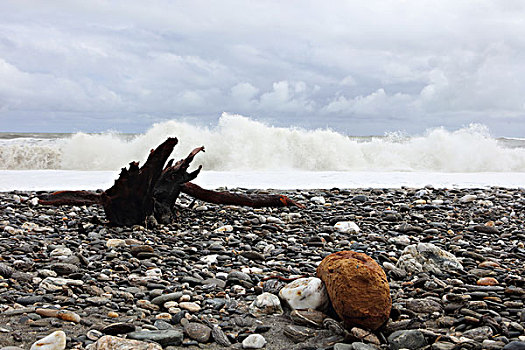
(225, 228)
(115, 242)
(33, 201)
(190, 306)
(266, 304)
(468, 198)
(254, 341)
(209, 259)
(274, 220)
(54, 341)
(427, 257)
(109, 342)
(346, 227)
(318, 200)
(9, 229)
(155, 272)
(305, 293)
(400, 240)
(61, 252)
(53, 284)
(252, 270)
(29, 226)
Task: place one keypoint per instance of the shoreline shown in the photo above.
(118, 272)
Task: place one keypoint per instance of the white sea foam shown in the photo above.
(241, 144)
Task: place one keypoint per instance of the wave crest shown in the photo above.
(240, 143)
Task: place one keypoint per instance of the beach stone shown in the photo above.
(305, 293)
(118, 328)
(115, 242)
(515, 345)
(318, 200)
(190, 306)
(426, 257)
(298, 334)
(478, 334)
(53, 284)
(468, 198)
(346, 227)
(109, 342)
(198, 331)
(54, 341)
(487, 281)
(254, 341)
(220, 337)
(358, 289)
(163, 337)
(164, 298)
(407, 339)
(266, 304)
(309, 317)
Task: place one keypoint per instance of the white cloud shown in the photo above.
(459, 61)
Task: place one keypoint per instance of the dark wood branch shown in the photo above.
(71, 198)
(154, 188)
(223, 197)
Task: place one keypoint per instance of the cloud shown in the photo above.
(307, 62)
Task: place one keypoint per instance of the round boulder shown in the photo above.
(358, 289)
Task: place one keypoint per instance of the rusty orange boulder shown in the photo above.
(358, 289)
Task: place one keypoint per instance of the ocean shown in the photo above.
(241, 152)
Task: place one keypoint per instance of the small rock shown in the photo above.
(487, 281)
(426, 257)
(407, 339)
(198, 331)
(254, 341)
(305, 293)
(346, 227)
(266, 304)
(163, 337)
(190, 306)
(109, 342)
(298, 334)
(54, 341)
(515, 345)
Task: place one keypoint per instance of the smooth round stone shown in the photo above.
(305, 293)
(198, 331)
(407, 339)
(487, 281)
(254, 341)
(190, 306)
(346, 227)
(54, 341)
(111, 342)
(266, 304)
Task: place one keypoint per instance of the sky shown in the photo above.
(362, 67)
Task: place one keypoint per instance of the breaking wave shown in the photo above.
(240, 143)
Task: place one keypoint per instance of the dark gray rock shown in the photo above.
(407, 339)
(162, 337)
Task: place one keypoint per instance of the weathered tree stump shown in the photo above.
(153, 189)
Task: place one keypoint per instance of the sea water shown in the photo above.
(241, 152)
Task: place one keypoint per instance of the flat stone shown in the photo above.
(109, 342)
(198, 331)
(54, 341)
(254, 341)
(407, 339)
(163, 337)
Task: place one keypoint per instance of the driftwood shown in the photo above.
(153, 189)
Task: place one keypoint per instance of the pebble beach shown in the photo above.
(198, 282)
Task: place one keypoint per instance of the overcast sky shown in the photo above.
(363, 67)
